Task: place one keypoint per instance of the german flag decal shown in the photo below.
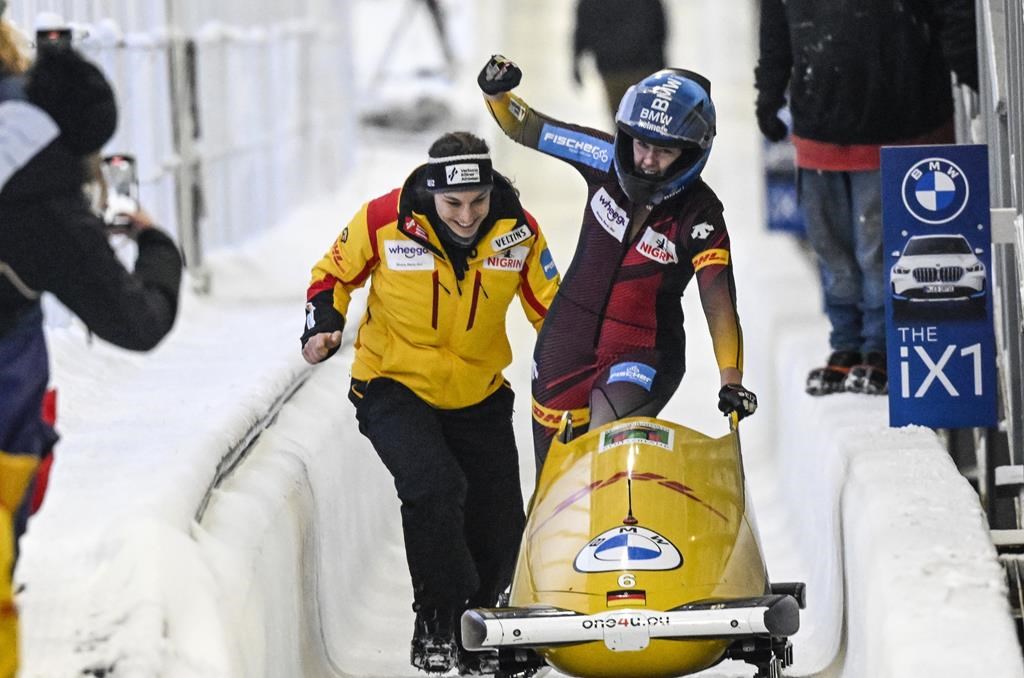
(627, 598)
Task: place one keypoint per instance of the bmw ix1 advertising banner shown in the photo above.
(938, 264)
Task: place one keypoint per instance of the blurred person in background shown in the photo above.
(859, 76)
(54, 113)
(444, 256)
(613, 345)
(626, 39)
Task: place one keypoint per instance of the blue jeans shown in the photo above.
(843, 212)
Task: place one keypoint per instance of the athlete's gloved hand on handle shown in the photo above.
(499, 75)
(735, 398)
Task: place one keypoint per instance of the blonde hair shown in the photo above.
(13, 59)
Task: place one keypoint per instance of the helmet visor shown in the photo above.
(644, 115)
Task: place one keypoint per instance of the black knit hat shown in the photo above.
(76, 95)
(459, 173)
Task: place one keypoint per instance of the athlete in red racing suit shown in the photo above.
(613, 343)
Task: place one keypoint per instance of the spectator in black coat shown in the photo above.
(51, 117)
(626, 38)
(860, 75)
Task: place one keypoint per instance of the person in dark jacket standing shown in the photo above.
(51, 117)
(626, 38)
(860, 76)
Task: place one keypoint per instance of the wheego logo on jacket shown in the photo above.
(511, 261)
(503, 242)
(403, 255)
(611, 217)
(565, 143)
(657, 247)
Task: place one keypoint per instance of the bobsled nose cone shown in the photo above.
(782, 619)
(474, 630)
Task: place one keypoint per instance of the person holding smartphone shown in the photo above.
(53, 114)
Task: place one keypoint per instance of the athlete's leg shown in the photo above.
(636, 385)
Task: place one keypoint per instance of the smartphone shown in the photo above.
(53, 38)
(122, 189)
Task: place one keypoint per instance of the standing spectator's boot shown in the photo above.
(831, 377)
(870, 376)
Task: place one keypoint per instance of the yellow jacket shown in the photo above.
(441, 337)
(16, 471)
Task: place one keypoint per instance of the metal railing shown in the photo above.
(237, 111)
(996, 117)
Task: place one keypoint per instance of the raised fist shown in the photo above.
(499, 75)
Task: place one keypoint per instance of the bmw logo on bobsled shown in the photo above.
(639, 559)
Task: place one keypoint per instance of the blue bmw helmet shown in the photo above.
(670, 108)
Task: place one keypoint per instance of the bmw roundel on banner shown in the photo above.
(935, 190)
(937, 266)
(628, 548)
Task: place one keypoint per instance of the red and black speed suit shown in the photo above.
(616, 324)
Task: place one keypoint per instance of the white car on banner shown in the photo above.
(940, 267)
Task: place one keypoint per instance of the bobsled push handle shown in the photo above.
(734, 421)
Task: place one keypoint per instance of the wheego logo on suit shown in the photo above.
(608, 213)
(403, 255)
(576, 146)
(656, 247)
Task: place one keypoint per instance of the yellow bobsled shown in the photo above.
(639, 559)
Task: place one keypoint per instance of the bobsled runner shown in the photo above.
(640, 558)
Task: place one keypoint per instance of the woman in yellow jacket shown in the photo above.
(445, 254)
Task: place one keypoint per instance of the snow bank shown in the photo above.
(887, 527)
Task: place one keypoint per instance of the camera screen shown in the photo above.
(119, 172)
(59, 38)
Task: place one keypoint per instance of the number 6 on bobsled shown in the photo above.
(639, 558)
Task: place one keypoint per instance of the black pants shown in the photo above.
(457, 476)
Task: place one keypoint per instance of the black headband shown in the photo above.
(459, 173)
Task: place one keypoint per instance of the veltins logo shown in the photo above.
(935, 191)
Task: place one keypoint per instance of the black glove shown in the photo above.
(499, 75)
(735, 398)
(321, 316)
(771, 125)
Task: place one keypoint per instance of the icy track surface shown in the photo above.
(295, 565)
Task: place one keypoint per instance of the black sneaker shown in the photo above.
(831, 377)
(434, 645)
(869, 376)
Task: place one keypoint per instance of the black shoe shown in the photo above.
(831, 377)
(869, 376)
(477, 663)
(517, 662)
(434, 645)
